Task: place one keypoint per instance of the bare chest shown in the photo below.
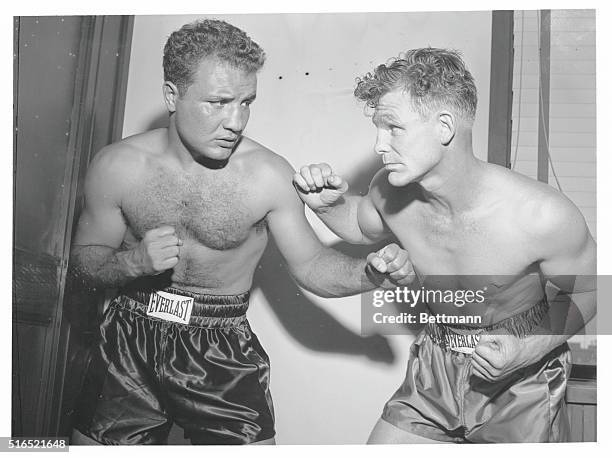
(218, 213)
(458, 246)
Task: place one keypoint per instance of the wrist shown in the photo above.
(129, 261)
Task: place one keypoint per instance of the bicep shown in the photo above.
(570, 251)
(370, 222)
(292, 233)
(101, 221)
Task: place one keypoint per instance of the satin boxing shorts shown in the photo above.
(440, 399)
(173, 356)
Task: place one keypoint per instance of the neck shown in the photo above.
(179, 151)
(452, 185)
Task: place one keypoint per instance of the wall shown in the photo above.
(329, 384)
(572, 137)
(572, 111)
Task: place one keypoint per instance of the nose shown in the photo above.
(382, 142)
(237, 118)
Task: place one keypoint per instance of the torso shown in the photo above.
(483, 248)
(218, 214)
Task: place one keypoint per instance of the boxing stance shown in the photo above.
(467, 225)
(178, 219)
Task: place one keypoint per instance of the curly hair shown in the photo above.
(433, 77)
(193, 42)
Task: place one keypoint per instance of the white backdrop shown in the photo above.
(328, 383)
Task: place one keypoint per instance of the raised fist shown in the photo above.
(393, 261)
(318, 186)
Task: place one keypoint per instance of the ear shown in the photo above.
(171, 95)
(447, 126)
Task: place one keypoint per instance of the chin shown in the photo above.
(398, 180)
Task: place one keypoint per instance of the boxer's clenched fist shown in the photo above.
(318, 186)
(393, 261)
(157, 252)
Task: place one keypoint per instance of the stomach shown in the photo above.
(208, 271)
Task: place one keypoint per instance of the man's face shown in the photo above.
(215, 109)
(409, 146)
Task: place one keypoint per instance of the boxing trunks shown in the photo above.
(441, 400)
(173, 356)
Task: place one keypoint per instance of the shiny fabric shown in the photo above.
(211, 377)
(440, 399)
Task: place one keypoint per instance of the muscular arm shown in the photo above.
(321, 270)
(569, 262)
(96, 257)
(567, 257)
(352, 218)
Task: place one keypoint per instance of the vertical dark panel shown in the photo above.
(69, 95)
(47, 61)
(46, 67)
(544, 97)
(500, 110)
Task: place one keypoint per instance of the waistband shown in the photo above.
(464, 338)
(207, 310)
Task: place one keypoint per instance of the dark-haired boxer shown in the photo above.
(178, 218)
(467, 225)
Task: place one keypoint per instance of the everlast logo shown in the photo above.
(462, 343)
(170, 307)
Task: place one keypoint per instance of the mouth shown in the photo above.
(392, 165)
(227, 142)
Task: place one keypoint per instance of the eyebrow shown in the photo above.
(385, 117)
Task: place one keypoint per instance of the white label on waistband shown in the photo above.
(462, 343)
(170, 307)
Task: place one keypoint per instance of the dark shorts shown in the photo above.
(210, 376)
(440, 400)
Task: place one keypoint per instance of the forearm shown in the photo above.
(341, 218)
(332, 274)
(103, 267)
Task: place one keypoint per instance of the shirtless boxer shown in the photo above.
(178, 219)
(482, 226)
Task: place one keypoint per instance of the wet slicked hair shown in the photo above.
(434, 78)
(208, 38)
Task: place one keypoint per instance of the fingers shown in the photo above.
(377, 263)
(398, 265)
(317, 176)
(483, 366)
(337, 182)
(300, 182)
(481, 372)
(394, 257)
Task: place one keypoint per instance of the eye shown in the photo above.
(248, 103)
(395, 130)
(218, 103)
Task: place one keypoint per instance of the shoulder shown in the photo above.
(120, 163)
(544, 215)
(266, 165)
(545, 212)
